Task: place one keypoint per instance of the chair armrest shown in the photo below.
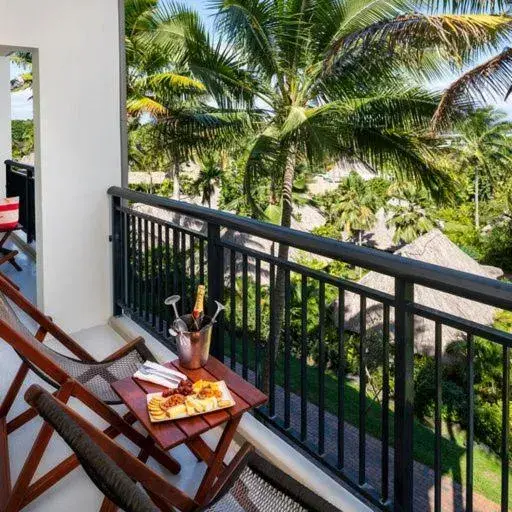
(126, 349)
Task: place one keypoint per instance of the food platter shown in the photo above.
(205, 396)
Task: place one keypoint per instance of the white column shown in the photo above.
(5, 119)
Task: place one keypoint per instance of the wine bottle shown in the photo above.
(198, 312)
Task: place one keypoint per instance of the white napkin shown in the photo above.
(164, 369)
(154, 379)
(160, 381)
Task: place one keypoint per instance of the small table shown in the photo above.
(188, 431)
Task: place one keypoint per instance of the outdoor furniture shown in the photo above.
(187, 431)
(83, 378)
(256, 484)
(112, 468)
(9, 255)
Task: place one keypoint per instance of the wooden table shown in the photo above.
(188, 431)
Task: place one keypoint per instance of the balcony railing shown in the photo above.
(313, 401)
(20, 183)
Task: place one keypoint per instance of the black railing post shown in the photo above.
(404, 396)
(117, 256)
(29, 188)
(216, 286)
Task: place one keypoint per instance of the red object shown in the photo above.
(9, 212)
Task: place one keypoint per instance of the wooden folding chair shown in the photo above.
(114, 470)
(9, 255)
(83, 378)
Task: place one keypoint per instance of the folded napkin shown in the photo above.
(160, 381)
(154, 379)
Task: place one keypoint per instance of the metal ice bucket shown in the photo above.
(194, 347)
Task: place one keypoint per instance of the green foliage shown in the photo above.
(22, 138)
(164, 189)
(411, 213)
(459, 227)
(497, 247)
(351, 208)
(210, 175)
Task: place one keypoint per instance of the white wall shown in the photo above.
(78, 148)
(5, 119)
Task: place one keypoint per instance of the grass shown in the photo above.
(487, 466)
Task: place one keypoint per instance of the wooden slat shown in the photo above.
(5, 471)
(253, 396)
(166, 434)
(191, 427)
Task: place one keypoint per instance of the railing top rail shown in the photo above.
(470, 286)
(19, 165)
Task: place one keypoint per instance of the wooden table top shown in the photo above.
(172, 433)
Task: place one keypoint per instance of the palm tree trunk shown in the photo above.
(277, 312)
(176, 179)
(477, 199)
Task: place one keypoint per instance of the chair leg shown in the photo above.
(36, 454)
(64, 468)
(5, 469)
(13, 390)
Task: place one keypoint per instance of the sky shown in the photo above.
(22, 107)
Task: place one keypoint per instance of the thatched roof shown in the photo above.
(381, 235)
(435, 248)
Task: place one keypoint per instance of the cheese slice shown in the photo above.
(177, 411)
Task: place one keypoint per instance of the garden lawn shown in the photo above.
(487, 466)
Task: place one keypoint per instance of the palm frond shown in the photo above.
(458, 36)
(491, 79)
(176, 82)
(250, 25)
(137, 105)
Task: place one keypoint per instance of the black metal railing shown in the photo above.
(287, 329)
(20, 183)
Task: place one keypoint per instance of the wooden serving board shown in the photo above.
(226, 396)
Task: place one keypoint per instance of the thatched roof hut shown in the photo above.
(435, 248)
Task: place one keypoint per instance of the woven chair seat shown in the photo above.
(96, 377)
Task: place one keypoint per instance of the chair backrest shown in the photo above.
(110, 479)
(12, 330)
(11, 293)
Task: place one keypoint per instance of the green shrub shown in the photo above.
(497, 247)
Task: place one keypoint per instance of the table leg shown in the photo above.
(216, 463)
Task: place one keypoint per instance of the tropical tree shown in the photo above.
(25, 79)
(483, 147)
(329, 86)
(209, 178)
(164, 43)
(411, 213)
(352, 206)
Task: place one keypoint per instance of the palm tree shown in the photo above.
(483, 145)
(354, 206)
(209, 178)
(331, 88)
(411, 213)
(164, 43)
(26, 79)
